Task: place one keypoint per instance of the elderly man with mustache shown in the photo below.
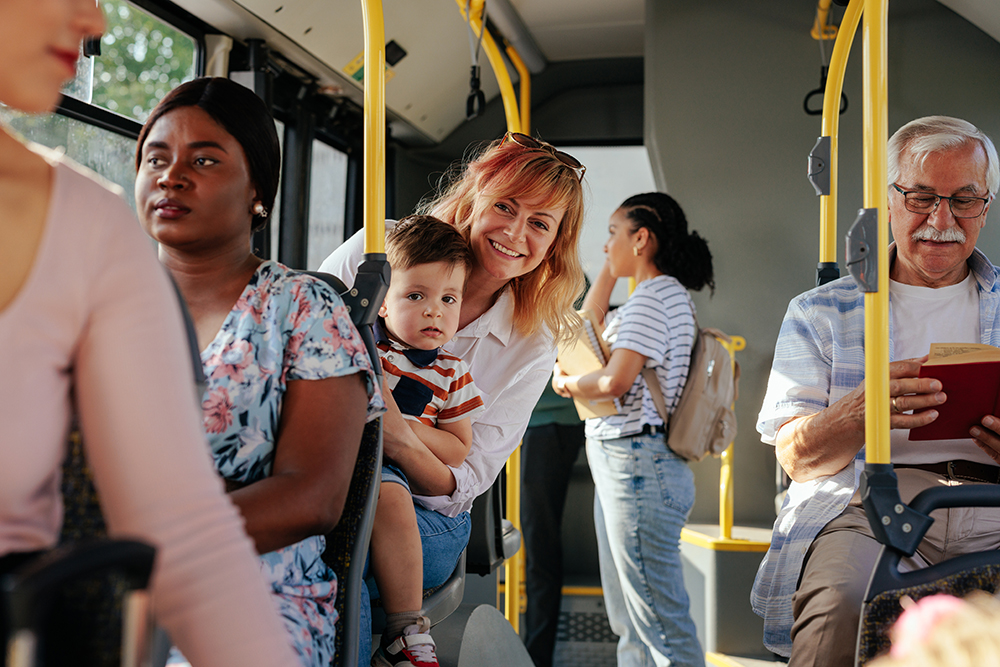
(943, 175)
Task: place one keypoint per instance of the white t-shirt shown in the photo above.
(925, 315)
(657, 321)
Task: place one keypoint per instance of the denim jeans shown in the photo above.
(443, 539)
(644, 493)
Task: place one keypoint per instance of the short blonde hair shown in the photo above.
(967, 637)
(507, 169)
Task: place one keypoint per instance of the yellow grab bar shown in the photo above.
(831, 128)
(876, 132)
(525, 97)
(517, 121)
(820, 29)
(726, 474)
(374, 167)
(496, 62)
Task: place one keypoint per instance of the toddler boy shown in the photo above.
(430, 261)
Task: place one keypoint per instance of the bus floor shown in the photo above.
(584, 637)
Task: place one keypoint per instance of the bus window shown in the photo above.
(614, 173)
(110, 154)
(274, 220)
(327, 202)
(142, 59)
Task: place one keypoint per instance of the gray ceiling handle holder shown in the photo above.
(862, 260)
(819, 163)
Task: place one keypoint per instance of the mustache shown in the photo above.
(927, 233)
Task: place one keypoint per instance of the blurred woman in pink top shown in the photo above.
(86, 311)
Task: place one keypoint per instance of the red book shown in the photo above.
(970, 375)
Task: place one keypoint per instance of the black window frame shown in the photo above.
(105, 119)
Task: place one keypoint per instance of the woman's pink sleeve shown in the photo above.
(141, 423)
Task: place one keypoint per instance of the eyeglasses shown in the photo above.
(534, 144)
(925, 203)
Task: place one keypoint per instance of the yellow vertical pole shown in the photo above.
(515, 595)
(374, 128)
(516, 122)
(876, 303)
(525, 85)
(726, 473)
(513, 567)
(831, 127)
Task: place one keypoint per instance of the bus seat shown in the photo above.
(33, 594)
(956, 576)
(97, 600)
(347, 544)
(494, 539)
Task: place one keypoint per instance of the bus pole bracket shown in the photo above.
(819, 163)
(894, 523)
(862, 260)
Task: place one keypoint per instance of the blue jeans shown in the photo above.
(644, 493)
(443, 539)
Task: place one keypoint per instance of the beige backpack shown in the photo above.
(703, 422)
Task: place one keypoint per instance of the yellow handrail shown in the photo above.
(496, 62)
(374, 160)
(517, 121)
(820, 28)
(525, 98)
(831, 128)
(736, 344)
(876, 303)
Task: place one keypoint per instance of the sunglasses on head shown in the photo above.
(534, 144)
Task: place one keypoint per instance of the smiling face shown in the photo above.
(423, 304)
(193, 190)
(512, 237)
(932, 249)
(39, 46)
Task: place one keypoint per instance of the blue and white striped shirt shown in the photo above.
(818, 359)
(657, 321)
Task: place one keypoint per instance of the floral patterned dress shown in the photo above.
(285, 326)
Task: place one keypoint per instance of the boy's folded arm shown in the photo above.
(450, 441)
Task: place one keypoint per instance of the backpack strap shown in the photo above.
(653, 384)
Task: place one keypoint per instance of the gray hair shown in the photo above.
(931, 134)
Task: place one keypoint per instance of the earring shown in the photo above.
(635, 250)
(258, 209)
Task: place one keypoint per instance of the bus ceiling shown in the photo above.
(426, 90)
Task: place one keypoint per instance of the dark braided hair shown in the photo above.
(680, 254)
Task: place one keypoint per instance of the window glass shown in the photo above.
(327, 201)
(110, 155)
(142, 59)
(614, 173)
(274, 220)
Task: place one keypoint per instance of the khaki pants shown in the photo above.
(839, 562)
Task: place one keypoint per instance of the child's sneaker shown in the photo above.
(414, 648)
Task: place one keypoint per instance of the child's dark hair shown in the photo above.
(423, 239)
(680, 254)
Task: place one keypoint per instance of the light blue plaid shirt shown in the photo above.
(819, 358)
